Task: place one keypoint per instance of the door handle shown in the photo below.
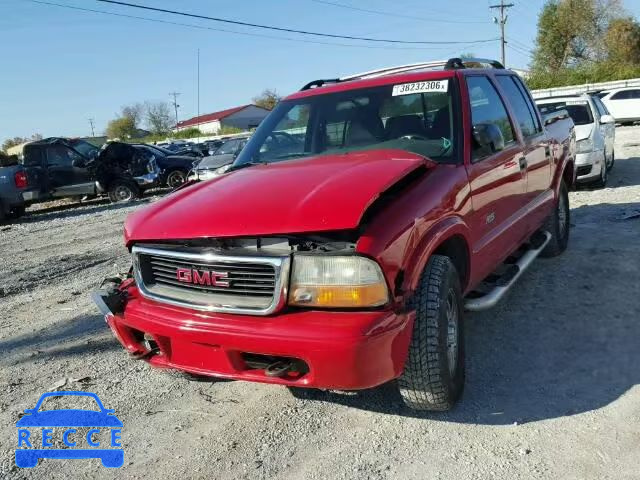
(523, 163)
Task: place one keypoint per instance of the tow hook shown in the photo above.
(279, 369)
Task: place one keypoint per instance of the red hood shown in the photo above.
(323, 193)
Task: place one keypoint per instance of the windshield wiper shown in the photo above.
(233, 168)
(292, 155)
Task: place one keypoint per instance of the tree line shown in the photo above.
(158, 118)
(584, 41)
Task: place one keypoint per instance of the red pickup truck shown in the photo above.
(364, 216)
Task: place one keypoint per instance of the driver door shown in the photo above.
(67, 172)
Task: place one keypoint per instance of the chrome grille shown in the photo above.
(213, 282)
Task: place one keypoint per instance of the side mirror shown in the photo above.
(488, 137)
(607, 119)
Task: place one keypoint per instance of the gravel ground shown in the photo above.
(552, 389)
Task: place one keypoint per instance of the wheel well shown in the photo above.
(457, 250)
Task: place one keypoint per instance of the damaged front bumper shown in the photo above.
(306, 348)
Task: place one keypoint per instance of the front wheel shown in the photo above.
(176, 178)
(611, 161)
(433, 376)
(558, 225)
(122, 191)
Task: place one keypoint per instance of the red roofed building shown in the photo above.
(244, 117)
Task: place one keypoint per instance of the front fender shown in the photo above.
(426, 244)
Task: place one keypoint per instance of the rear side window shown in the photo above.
(487, 106)
(523, 113)
(33, 156)
(626, 95)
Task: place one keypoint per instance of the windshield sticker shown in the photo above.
(576, 102)
(420, 87)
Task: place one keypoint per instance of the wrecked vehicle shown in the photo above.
(12, 183)
(61, 167)
(346, 260)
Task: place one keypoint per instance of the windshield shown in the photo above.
(416, 117)
(580, 112)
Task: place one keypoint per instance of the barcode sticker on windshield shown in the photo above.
(420, 87)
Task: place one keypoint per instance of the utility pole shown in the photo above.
(93, 134)
(198, 90)
(502, 21)
(175, 104)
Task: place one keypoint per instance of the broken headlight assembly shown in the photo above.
(333, 281)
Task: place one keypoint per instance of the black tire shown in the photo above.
(613, 161)
(18, 212)
(122, 191)
(433, 376)
(176, 178)
(601, 182)
(558, 225)
(2, 213)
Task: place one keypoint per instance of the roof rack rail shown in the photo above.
(319, 83)
(451, 64)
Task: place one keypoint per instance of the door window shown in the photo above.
(487, 107)
(530, 103)
(523, 113)
(61, 156)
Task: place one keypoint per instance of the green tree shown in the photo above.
(268, 99)
(564, 30)
(122, 128)
(12, 142)
(622, 41)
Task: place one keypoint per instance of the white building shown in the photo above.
(244, 117)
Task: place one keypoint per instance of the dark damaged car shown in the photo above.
(61, 167)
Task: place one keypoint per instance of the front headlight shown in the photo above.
(337, 282)
(584, 146)
(222, 170)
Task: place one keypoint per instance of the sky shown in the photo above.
(61, 66)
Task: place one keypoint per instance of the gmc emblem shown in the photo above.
(202, 277)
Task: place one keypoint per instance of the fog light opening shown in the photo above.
(276, 367)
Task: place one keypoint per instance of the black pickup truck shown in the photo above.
(61, 167)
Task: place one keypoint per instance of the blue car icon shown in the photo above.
(28, 457)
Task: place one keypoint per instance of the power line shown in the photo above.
(93, 134)
(520, 51)
(288, 30)
(235, 32)
(389, 14)
(519, 44)
(502, 21)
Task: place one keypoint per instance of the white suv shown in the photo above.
(623, 103)
(595, 134)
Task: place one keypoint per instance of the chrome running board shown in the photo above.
(504, 283)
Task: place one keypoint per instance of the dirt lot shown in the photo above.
(552, 388)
